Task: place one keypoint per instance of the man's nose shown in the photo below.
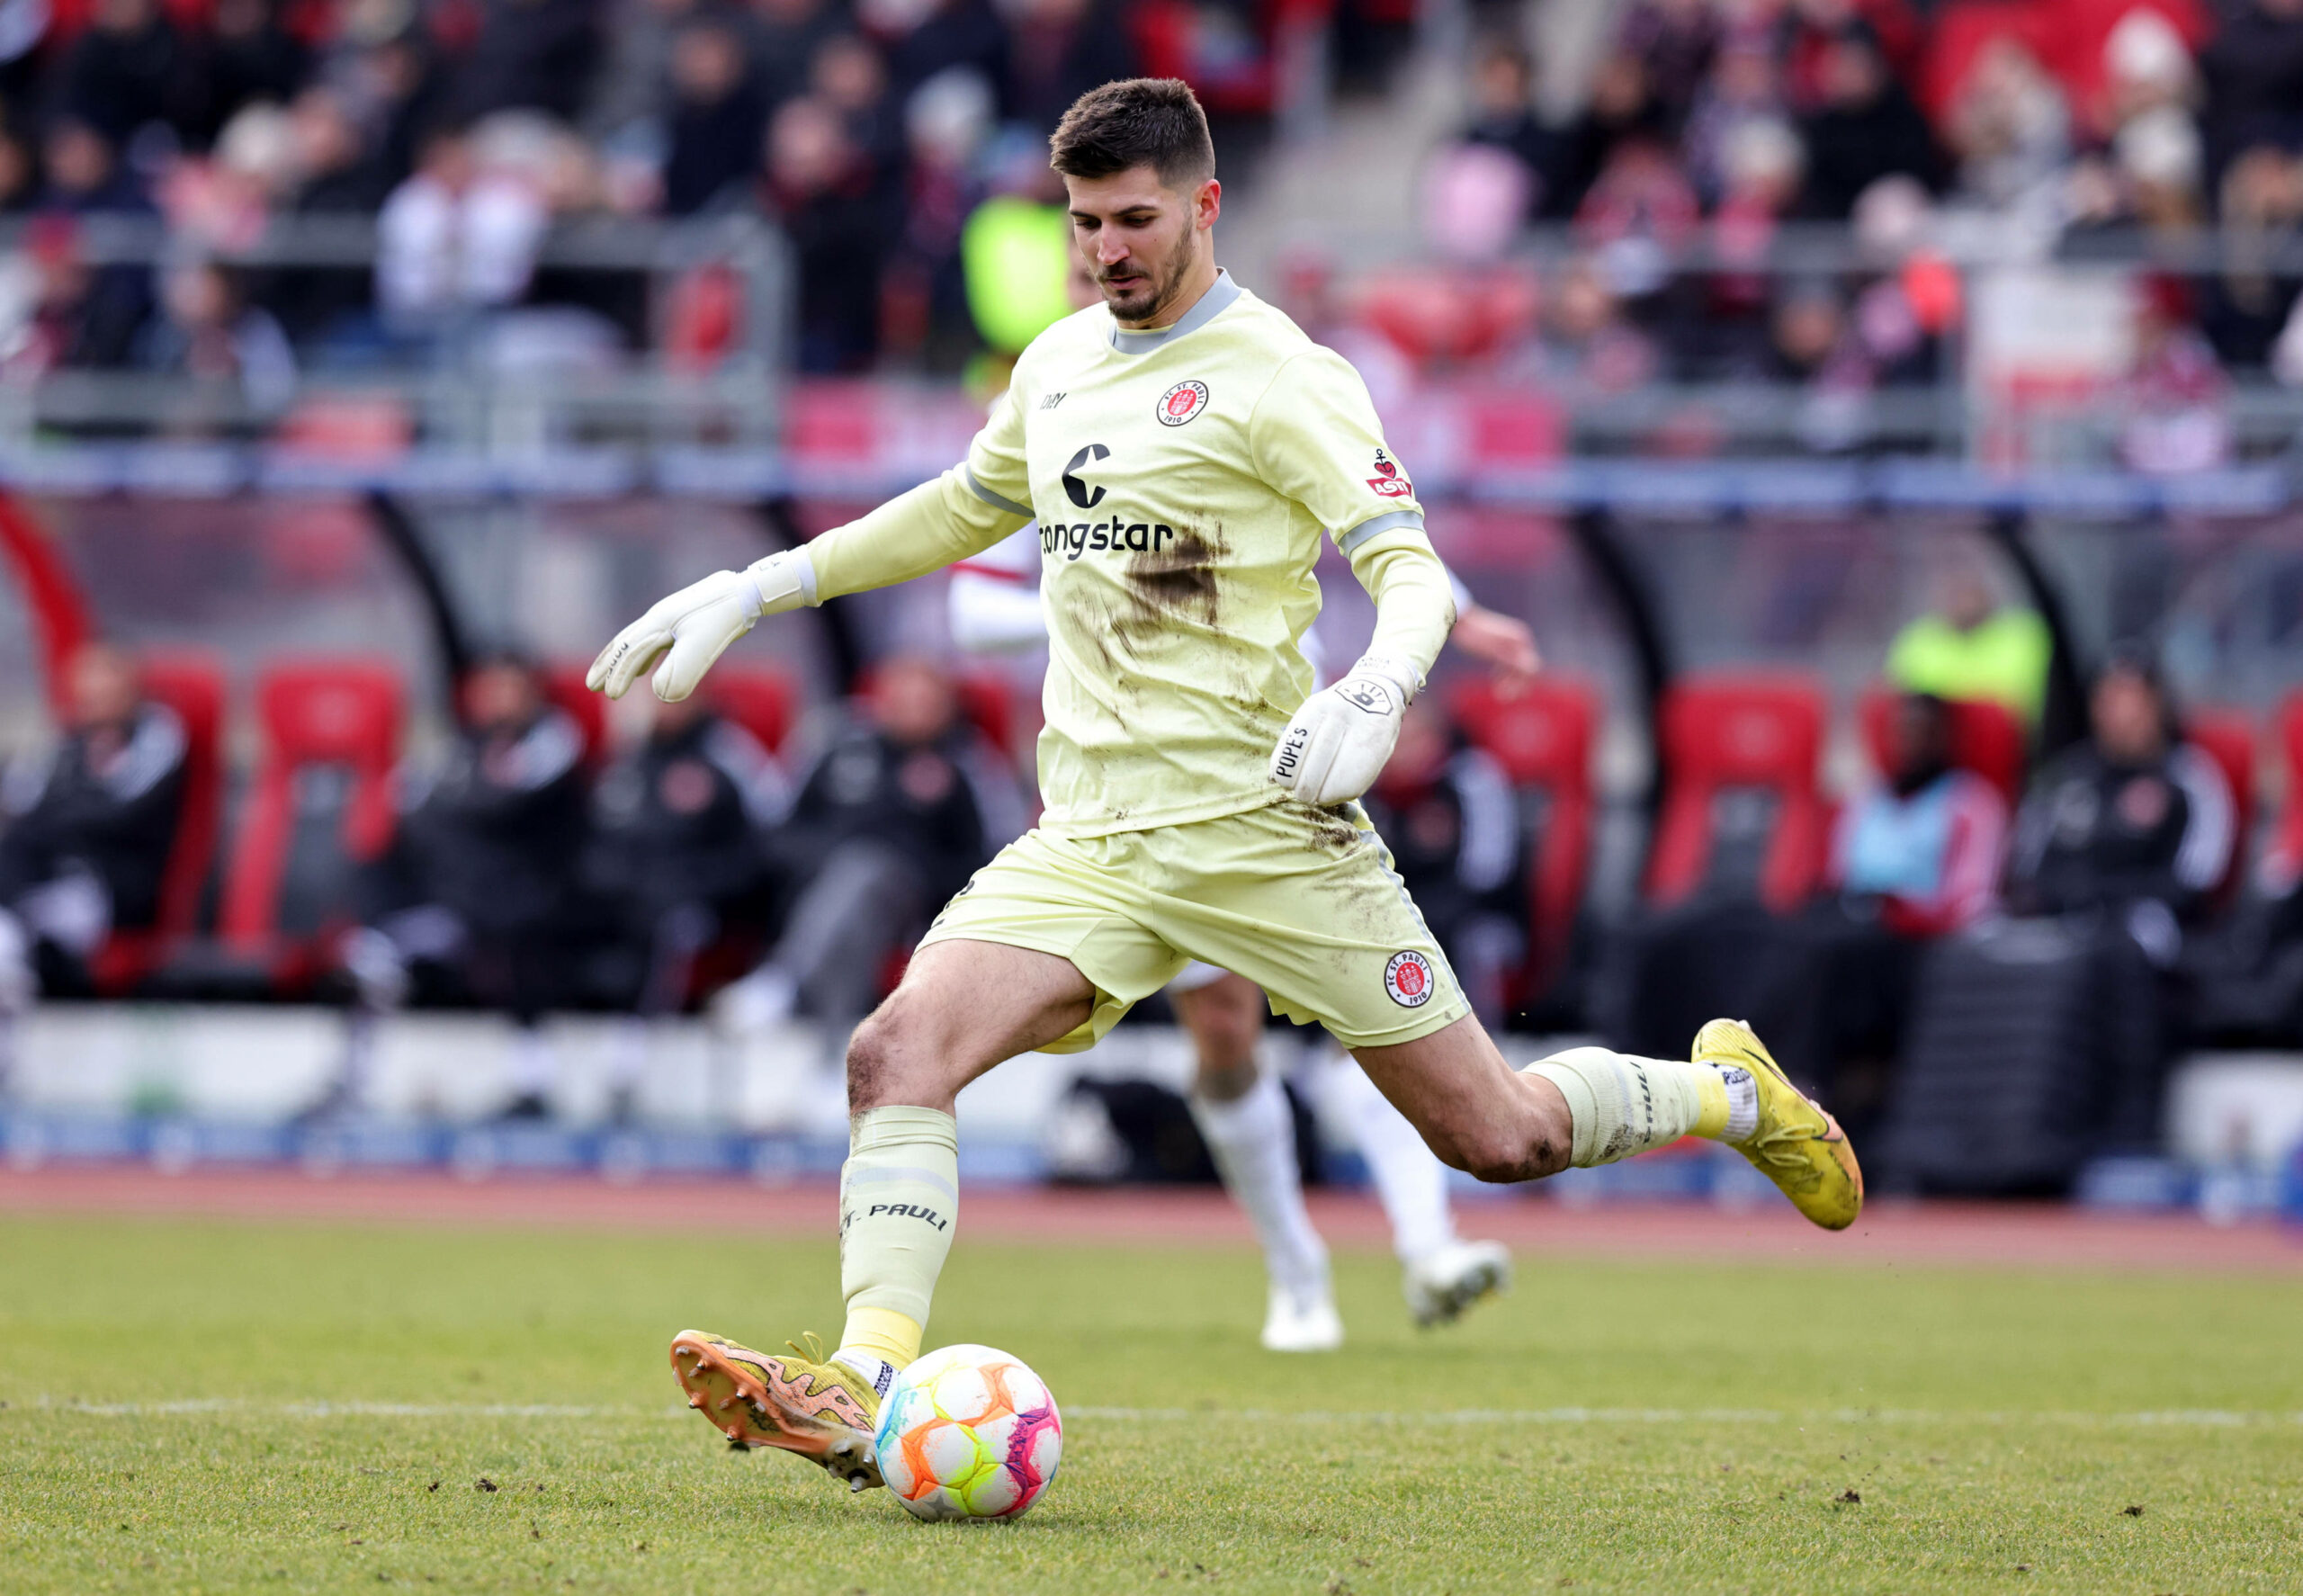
(1110, 251)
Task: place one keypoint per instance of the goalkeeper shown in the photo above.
(1184, 447)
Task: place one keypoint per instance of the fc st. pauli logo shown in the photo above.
(1409, 979)
(1180, 403)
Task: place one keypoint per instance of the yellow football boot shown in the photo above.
(1797, 1145)
(801, 1402)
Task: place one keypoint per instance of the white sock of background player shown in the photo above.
(1252, 1139)
(1409, 1180)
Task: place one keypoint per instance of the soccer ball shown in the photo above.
(968, 1433)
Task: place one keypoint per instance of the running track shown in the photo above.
(2018, 1236)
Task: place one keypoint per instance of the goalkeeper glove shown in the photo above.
(698, 622)
(1336, 745)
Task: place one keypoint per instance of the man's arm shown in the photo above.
(962, 512)
(1314, 437)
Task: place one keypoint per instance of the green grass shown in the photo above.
(1577, 1436)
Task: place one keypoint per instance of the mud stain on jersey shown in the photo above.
(1178, 582)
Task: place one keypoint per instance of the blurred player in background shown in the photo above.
(1200, 791)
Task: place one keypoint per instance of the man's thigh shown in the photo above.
(962, 1007)
(1082, 902)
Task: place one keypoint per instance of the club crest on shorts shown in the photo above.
(1408, 978)
(1180, 403)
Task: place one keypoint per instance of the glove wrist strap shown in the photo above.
(1401, 673)
(781, 576)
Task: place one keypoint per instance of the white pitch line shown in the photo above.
(2175, 1417)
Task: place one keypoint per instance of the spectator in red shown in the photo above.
(1916, 854)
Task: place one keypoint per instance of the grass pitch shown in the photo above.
(217, 1407)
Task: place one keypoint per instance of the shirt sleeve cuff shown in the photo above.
(1349, 543)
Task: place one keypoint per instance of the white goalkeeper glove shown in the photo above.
(698, 622)
(1336, 745)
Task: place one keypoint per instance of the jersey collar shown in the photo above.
(1212, 304)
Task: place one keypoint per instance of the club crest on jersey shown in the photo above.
(1180, 403)
(1408, 978)
(1387, 479)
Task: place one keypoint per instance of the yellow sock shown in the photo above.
(885, 1334)
(1711, 1124)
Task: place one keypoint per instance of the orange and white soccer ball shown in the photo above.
(969, 1432)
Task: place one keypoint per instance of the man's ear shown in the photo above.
(1207, 204)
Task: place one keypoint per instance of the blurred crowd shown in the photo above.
(869, 132)
(899, 144)
(2143, 130)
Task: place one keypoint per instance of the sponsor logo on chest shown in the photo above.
(1113, 533)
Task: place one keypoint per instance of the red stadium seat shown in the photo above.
(1723, 736)
(563, 685)
(1542, 736)
(1987, 739)
(764, 702)
(2284, 858)
(339, 716)
(191, 685)
(2227, 736)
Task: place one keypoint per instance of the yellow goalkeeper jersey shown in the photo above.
(1182, 481)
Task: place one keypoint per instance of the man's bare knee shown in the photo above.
(1502, 1155)
(882, 1056)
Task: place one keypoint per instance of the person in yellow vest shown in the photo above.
(1973, 647)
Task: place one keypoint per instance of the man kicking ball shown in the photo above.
(1187, 447)
(1240, 1109)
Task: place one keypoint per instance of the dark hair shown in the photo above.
(1136, 121)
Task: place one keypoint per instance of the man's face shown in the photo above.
(501, 697)
(104, 690)
(2128, 717)
(1139, 238)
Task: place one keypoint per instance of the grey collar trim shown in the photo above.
(1212, 304)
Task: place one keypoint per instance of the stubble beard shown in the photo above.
(1143, 303)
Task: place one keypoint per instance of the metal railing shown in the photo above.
(439, 384)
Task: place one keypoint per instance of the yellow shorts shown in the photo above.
(1303, 902)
